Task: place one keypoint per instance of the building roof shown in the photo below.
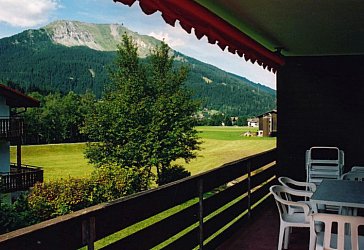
(257, 28)
(190, 15)
(253, 119)
(268, 113)
(301, 28)
(16, 99)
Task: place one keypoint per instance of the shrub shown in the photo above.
(111, 182)
(16, 215)
(172, 173)
(59, 197)
(7, 218)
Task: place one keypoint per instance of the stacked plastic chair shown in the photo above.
(324, 163)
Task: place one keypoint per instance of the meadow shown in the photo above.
(219, 145)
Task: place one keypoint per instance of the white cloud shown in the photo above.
(25, 13)
(172, 41)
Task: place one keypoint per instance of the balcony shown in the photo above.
(20, 179)
(262, 233)
(200, 211)
(12, 127)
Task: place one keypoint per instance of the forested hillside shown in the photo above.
(34, 61)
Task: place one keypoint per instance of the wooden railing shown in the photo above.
(11, 127)
(20, 179)
(214, 204)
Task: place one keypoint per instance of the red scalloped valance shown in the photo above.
(192, 15)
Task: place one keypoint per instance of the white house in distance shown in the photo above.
(253, 122)
(14, 177)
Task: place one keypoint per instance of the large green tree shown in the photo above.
(144, 119)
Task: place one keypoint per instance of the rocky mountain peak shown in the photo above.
(70, 34)
(102, 37)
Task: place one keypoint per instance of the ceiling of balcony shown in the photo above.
(310, 27)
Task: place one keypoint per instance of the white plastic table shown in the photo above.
(340, 193)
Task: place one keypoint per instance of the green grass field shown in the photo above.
(57, 160)
(219, 145)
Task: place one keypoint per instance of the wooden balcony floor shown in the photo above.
(262, 234)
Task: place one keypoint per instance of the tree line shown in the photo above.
(58, 119)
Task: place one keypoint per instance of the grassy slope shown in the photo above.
(225, 144)
(58, 160)
(220, 145)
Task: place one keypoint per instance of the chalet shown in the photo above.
(253, 122)
(14, 177)
(268, 124)
(317, 50)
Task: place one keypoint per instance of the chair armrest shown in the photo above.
(306, 208)
(299, 193)
(311, 186)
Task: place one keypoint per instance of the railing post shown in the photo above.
(2, 184)
(200, 212)
(248, 166)
(2, 130)
(89, 232)
(18, 182)
(18, 154)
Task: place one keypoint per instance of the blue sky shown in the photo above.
(16, 16)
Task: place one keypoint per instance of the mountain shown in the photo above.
(71, 55)
(101, 37)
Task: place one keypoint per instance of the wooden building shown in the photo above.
(268, 124)
(14, 177)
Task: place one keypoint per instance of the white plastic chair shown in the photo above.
(288, 220)
(353, 176)
(320, 167)
(324, 163)
(328, 240)
(298, 185)
(357, 168)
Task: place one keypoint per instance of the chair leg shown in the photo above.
(355, 211)
(312, 241)
(286, 237)
(281, 236)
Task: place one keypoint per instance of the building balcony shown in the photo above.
(203, 211)
(20, 179)
(12, 127)
(262, 232)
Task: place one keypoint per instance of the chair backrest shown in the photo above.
(324, 163)
(280, 194)
(353, 176)
(299, 185)
(357, 168)
(343, 221)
